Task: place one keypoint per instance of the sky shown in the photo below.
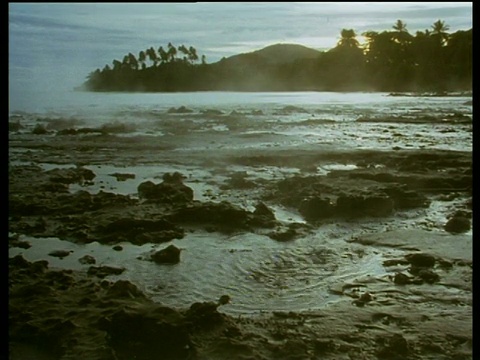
(55, 46)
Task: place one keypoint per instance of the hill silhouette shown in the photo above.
(275, 54)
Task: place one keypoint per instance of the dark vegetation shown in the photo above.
(395, 60)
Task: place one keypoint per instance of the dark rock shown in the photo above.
(263, 216)
(239, 180)
(125, 289)
(363, 299)
(87, 259)
(19, 261)
(264, 211)
(212, 112)
(286, 235)
(70, 131)
(378, 206)
(445, 264)
(457, 224)
(405, 199)
(139, 231)
(103, 271)
(393, 262)
(428, 276)
(204, 314)
(421, 260)
(60, 253)
(157, 237)
(39, 130)
(180, 110)
(223, 214)
(122, 177)
(401, 279)
(71, 175)
(169, 255)
(117, 248)
(61, 277)
(170, 191)
(14, 126)
(323, 346)
(20, 244)
(141, 335)
(316, 208)
(224, 299)
(394, 347)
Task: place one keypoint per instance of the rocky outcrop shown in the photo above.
(458, 224)
(222, 215)
(139, 231)
(170, 191)
(169, 255)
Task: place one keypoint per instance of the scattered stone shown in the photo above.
(124, 288)
(394, 347)
(39, 130)
(393, 262)
(87, 259)
(428, 276)
(317, 208)
(123, 177)
(170, 191)
(457, 225)
(104, 271)
(223, 214)
(180, 110)
(224, 299)
(139, 335)
(211, 112)
(169, 255)
(421, 259)
(401, 279)
(363, 299)
(60, 253)
(20, 244)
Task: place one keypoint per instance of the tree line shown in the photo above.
(391, 60)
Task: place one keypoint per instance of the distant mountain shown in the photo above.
(277, 54)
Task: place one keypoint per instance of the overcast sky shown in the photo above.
(62, 42)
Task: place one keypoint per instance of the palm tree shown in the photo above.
(163, 54)
(400, 26)
(116, 64)
(184, 51)
(152, 55)
(132, 61)
(440, 30)
(193, 54)
(348, 39)
(172, 52)
(141, 58)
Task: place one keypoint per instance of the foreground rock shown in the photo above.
(68, 315)
(169, 255)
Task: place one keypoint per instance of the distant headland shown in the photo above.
(392, 60)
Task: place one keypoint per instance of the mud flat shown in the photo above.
(385, 234)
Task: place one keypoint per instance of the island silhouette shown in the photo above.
(392, 60)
